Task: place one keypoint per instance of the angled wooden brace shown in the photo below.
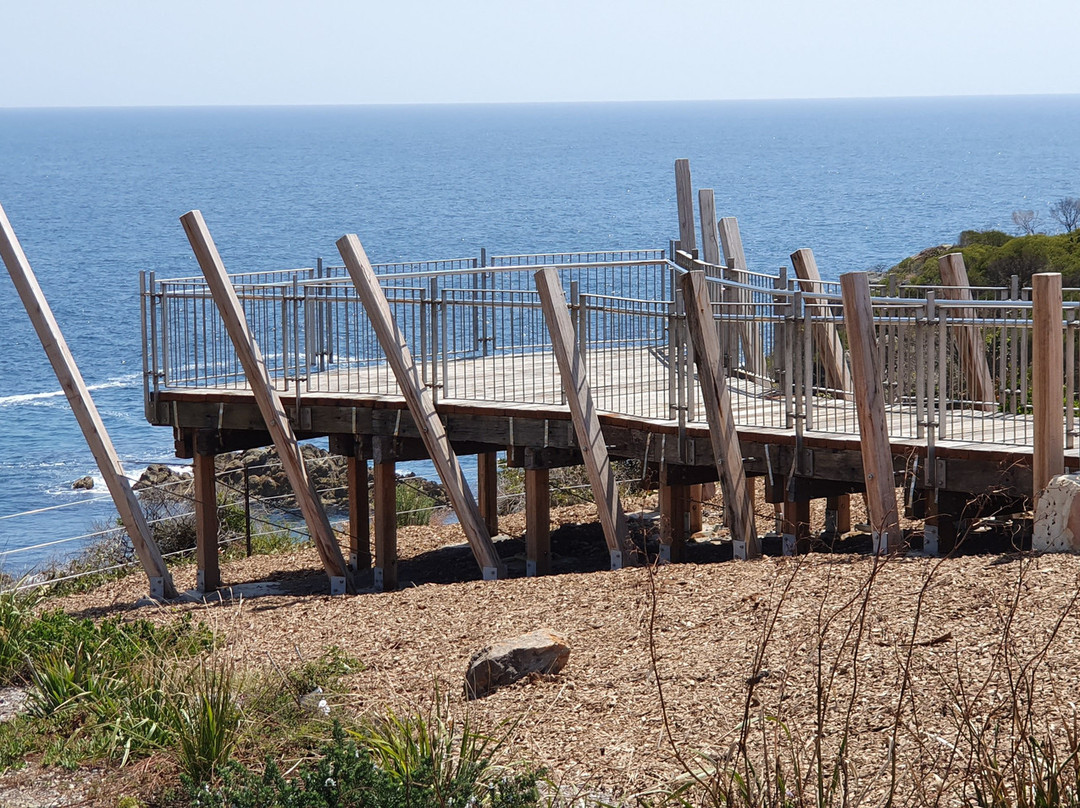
(273, 411)
(82, 404)
(418, 398)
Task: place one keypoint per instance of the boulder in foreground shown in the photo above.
(507, 661)
(1057, 516)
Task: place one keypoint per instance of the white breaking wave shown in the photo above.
(30, 398)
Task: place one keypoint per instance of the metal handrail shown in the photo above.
(477, 334)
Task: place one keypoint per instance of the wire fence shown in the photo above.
(266, 517)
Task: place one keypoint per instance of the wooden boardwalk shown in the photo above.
(478, 345)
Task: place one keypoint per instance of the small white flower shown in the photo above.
(330, 782)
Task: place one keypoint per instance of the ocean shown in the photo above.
(95, 196)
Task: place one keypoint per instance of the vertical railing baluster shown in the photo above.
(944, 429)
(154, 333)
(425, 357)
(1070, 377)
(444, 340)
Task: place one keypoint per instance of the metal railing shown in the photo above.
(476, 330)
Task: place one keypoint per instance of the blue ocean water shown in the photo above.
(95, 196)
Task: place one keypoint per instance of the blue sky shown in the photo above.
(140, 52)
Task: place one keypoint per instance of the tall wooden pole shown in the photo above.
(266, 396)
(86, 413)
(684, 199)
(1047, 379)
(973, 362)
(870, 408)
(735, 260)
(710, 236)
(721, 419)
(583, 412)
(418, 398)
(829, 347)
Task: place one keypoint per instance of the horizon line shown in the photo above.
(956, 96)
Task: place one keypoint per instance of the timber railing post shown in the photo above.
(85, 411)
(870, 408)
(710, 237)
(1047, 374)
(421, 405)
(590, 437)
(721, 419)
(829, 347)
(268, 400)
(973, 362)
(735, 260)
(684, 199)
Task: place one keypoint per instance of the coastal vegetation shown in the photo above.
(993, 257)
(117, 692)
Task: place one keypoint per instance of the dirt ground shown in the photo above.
(905, 653)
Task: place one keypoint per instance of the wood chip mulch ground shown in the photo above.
(909, 652)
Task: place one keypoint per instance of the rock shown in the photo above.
(83, 484)
(157, 475)
(13, 702)
(507, 661)
(1057, 516)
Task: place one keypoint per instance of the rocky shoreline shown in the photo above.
(267, 481)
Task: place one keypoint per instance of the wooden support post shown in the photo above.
(674, 520)
(385, 572)
(697, 516)
(1047, 379)
(418, 397)
(270, 405)
(86, 413)
(487, 474)
(796, 527)
(829, 348)
(359, 506)
(721, 419)
(575, 382)
(208, 575)
(735, 260)
(870, 407)
(838, 515)
(537, 522)
(941, 529)
(684, 198)
(973, 361)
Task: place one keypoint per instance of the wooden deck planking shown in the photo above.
(635, 382)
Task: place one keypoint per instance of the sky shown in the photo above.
(221, 52)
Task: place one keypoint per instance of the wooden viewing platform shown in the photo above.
(480, 345)
(928, 389)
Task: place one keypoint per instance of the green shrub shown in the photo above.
(57, 682)
(992, 258)
(347, 773)
(445, 758)
(414, 507)
(16, 624)
(991, 238)
(207, 719)
(95, 689)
